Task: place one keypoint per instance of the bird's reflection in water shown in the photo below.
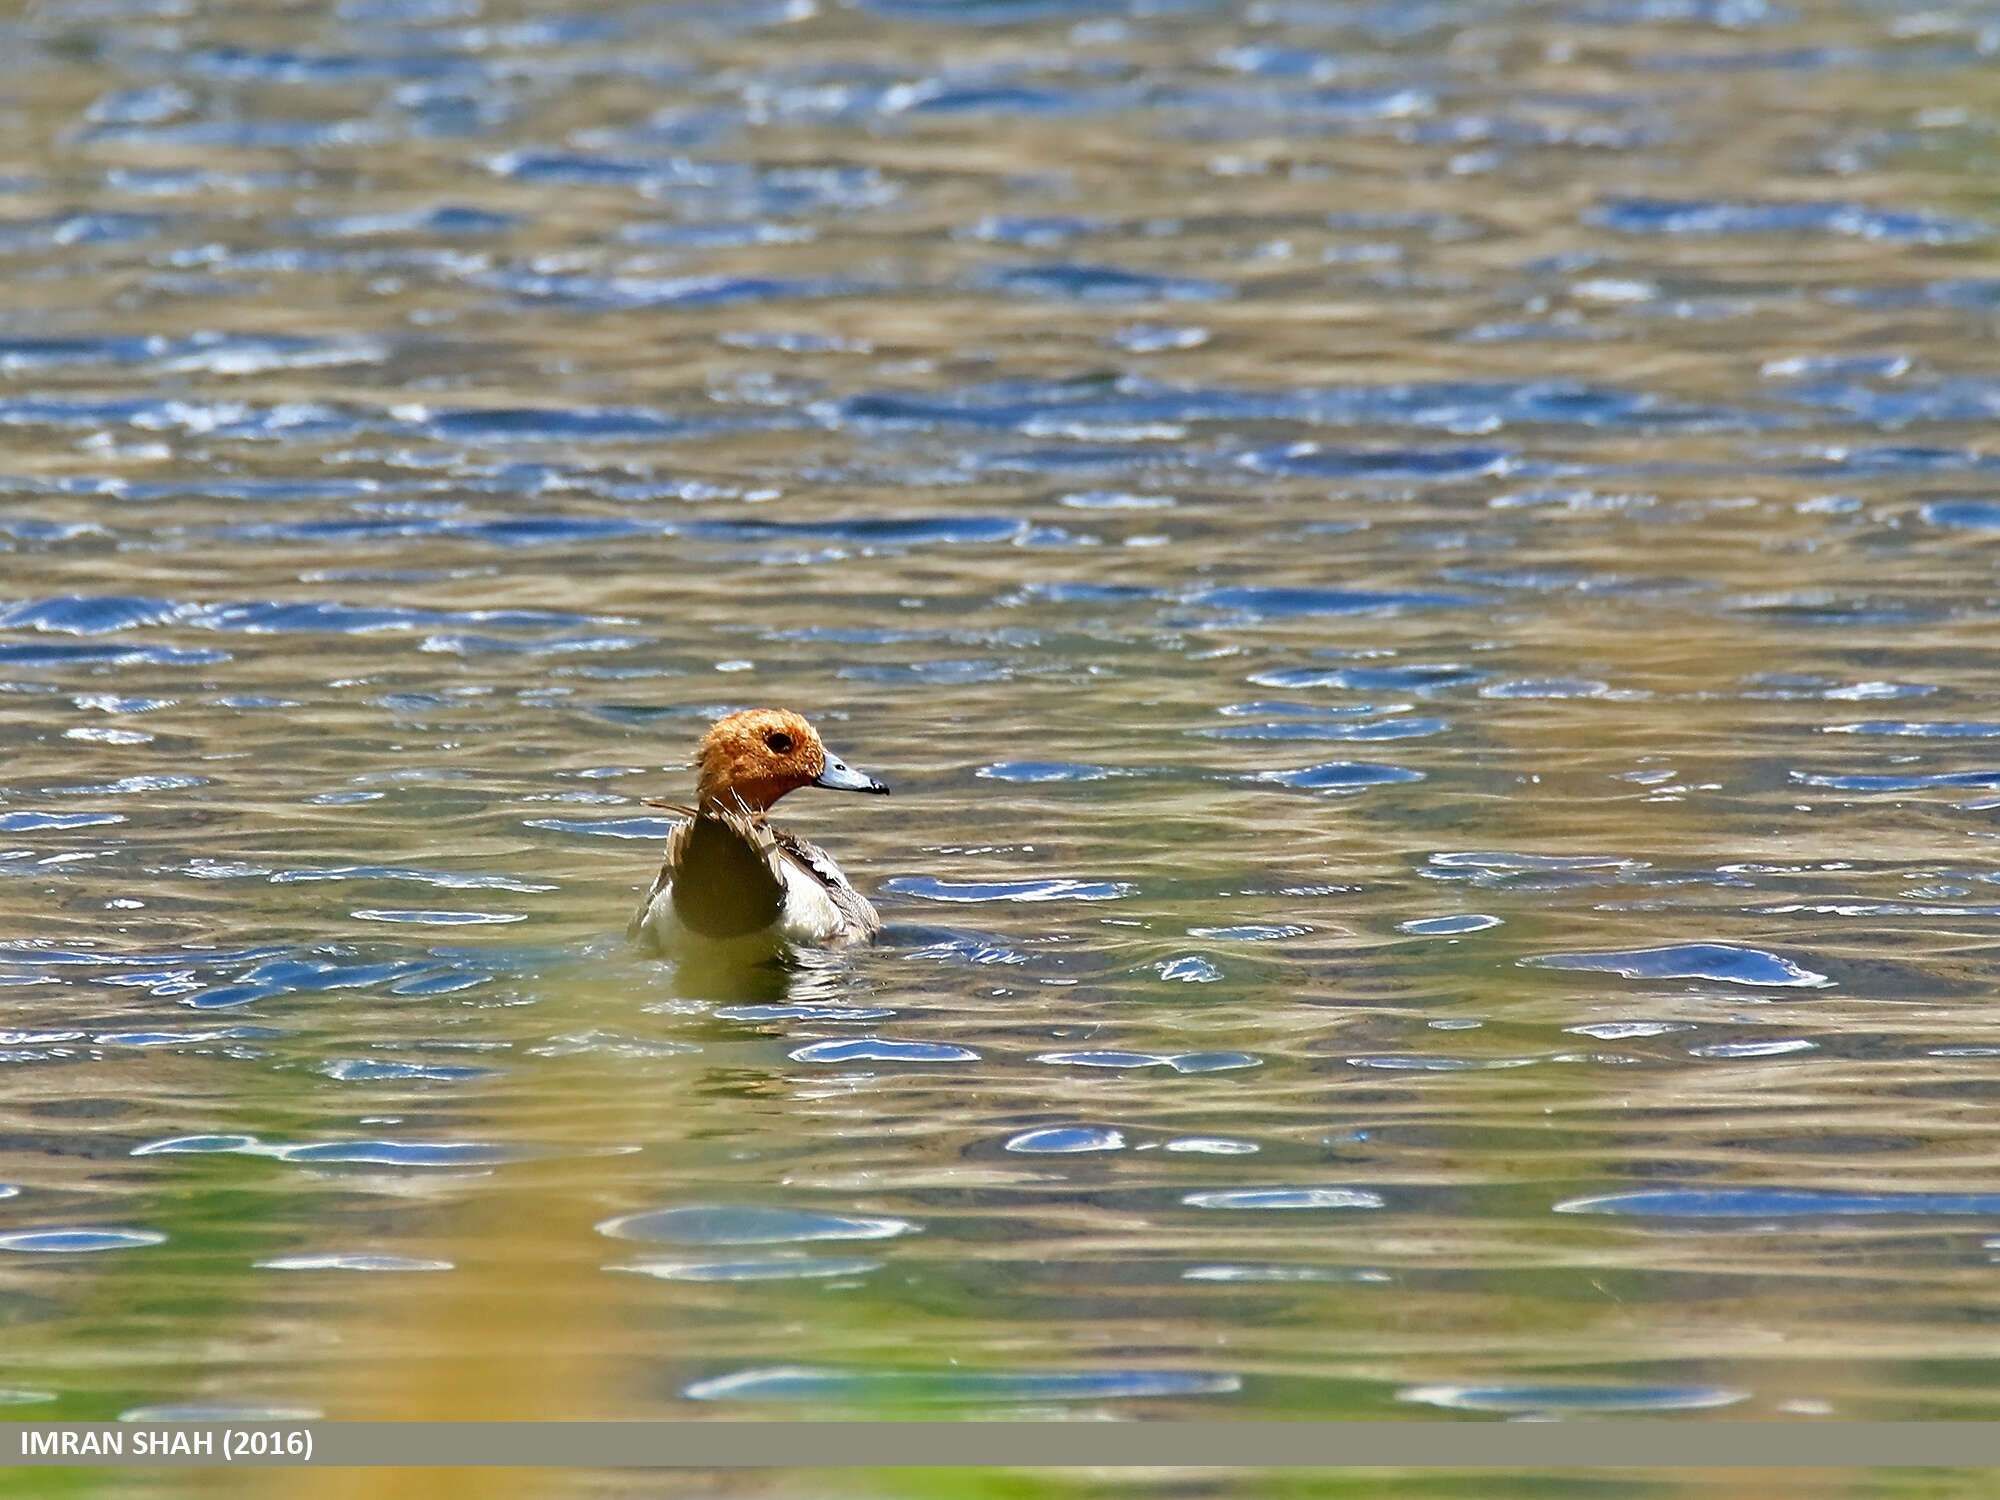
(808, 977)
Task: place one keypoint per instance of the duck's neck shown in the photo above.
(739, 794)
(733, 802)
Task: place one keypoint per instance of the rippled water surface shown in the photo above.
(1423, 576)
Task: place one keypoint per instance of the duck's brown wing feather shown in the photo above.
(852, 905)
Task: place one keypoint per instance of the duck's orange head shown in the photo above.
(756, 756)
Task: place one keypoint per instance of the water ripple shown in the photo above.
(1311, 461)
(1572, 1398)
(1965, 515)
(1339, 775)
(1181, 1062)
(880, 1049)
(355, 1152)
(1695, 217)
(1031, 772)
(813, 1383)
(1078, 283)
(1452, 926)
(1908, 729)
(1319, 729)
(1285, 1198)
(794, 1268)
(78, 1241)
(1723, 962)
(1055, 889)
(1778, 1203)
(748, 1224)
(1421, 678)
(1067, 1140)
(347, 1261)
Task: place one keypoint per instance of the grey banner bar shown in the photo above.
(1257, 1445)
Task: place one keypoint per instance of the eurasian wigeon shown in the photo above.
(732, 879)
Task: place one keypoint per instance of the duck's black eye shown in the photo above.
(779, 741)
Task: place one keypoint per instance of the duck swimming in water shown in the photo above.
(730, 879)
